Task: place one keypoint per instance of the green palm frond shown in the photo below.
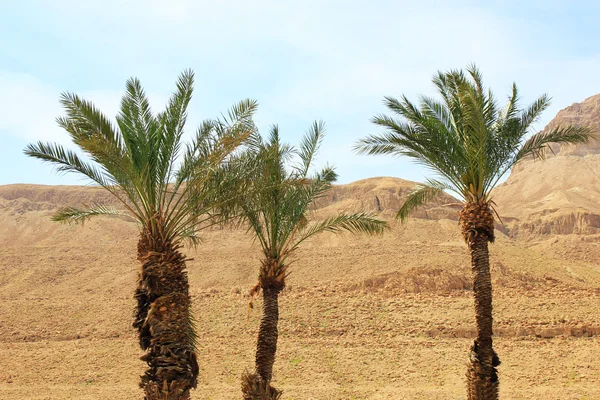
(84, 120)
(214, 176)
(310, 145)
(423, 194)
(327, 175)
(172, 122)
(538, 144)
(67, 161)
(137, 125)
(533, 113)
(239, 117)
(216, 139)
(353, 223)
(191, 237)
(95, 134)
(444, 152)
(78, 215)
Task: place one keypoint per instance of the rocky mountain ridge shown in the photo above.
(561, 194)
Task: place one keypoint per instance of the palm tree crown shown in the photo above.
(170, 190)
(278, 211)
(466, 138)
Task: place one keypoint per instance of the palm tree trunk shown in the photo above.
(257, 386)
(267, 334)
(163, 321)
(482, 377)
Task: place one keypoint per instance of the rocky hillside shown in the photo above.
(560, 195)
(382, 196)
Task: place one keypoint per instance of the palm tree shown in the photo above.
(278, 216)
(469, 143)
(171, 197)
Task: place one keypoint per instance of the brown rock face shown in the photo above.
(586, 113)
(560, 195)
(383, 196)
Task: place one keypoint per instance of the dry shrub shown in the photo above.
(447, 280)
(418, 280)
(508, 277)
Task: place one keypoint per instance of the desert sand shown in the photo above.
(362, 318)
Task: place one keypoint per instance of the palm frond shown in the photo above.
(538, 144)
(172, 122)
(192, 331)
(190, 235)
(212, 177)
(278, 202)
(78, 215)
(216, 139)
(310, 145)
(353, 223)
(85, 120)
(95, 134)
(533, 112)
(327, 175)
(138, 125)
(67, 161)
(384, 144)
(240, 115)
(421, 196)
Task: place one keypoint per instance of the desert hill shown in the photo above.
(560, 195)
(362, 318)
(377, 195)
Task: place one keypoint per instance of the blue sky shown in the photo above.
(329, 60)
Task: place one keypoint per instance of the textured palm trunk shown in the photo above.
(257, 386)
(163, 321)
(478, 229)
(266, 346)
(482, 375)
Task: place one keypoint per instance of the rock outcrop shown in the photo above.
(560, 195)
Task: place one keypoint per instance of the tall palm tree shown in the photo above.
(469, 143)
(171, 197)
(278, 216)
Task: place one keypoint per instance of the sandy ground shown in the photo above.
(362, 318)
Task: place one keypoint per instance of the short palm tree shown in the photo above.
(469, 143)
(278, 216)
(171, 197)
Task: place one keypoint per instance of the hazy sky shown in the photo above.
(329, 60)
